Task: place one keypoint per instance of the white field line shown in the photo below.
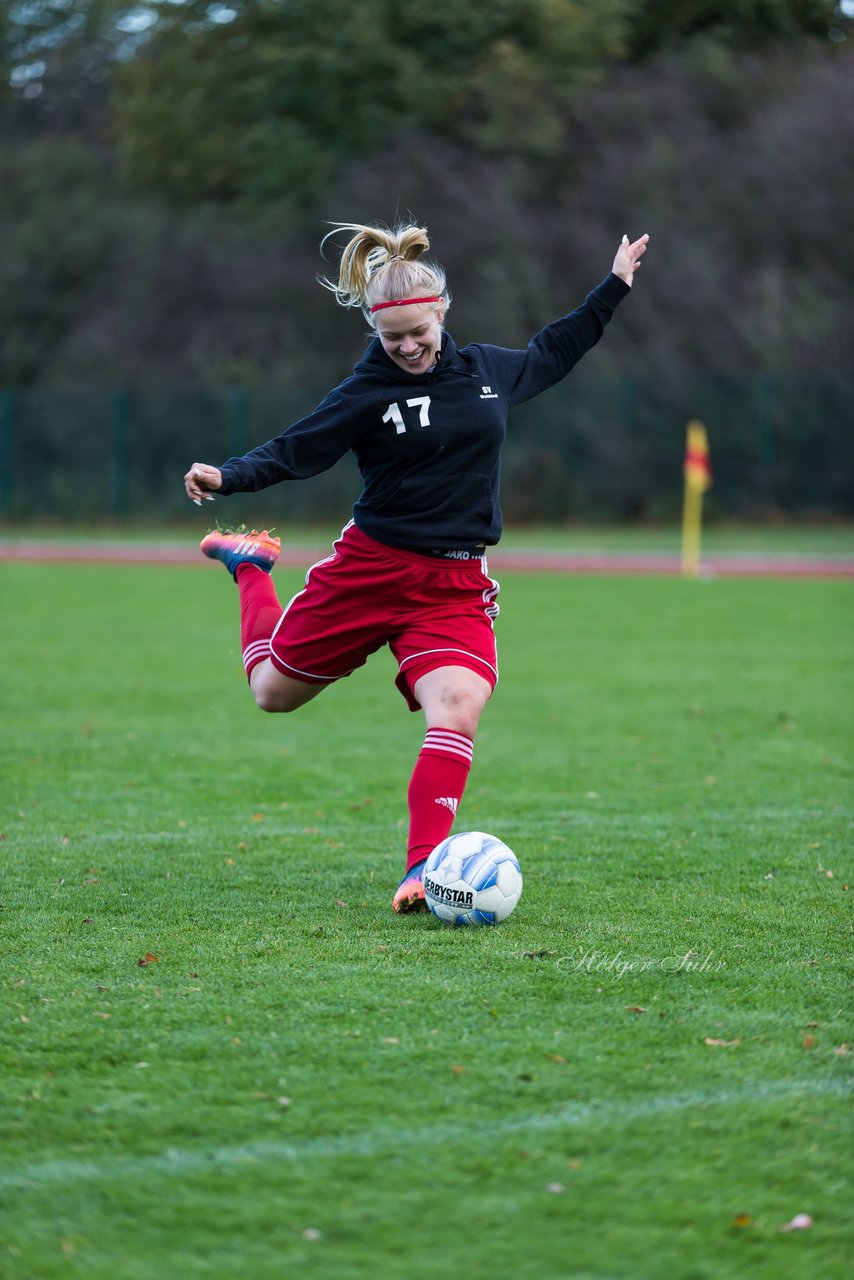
(389, 1140)
(586, 815)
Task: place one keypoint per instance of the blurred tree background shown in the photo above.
(167, 170)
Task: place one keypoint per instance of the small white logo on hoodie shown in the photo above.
(488, 394)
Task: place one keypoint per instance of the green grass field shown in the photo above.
(641, 1074)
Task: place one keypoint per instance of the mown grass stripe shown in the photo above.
(381, 1141)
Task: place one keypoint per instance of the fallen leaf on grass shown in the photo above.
(538, 955)
(800, 1222)
(457, 1069)
(721, 1044)
(809, 1042)
(147, 959)
(841, 1050)
(635, 1008)
(390, 1040)
(556, 1057)
(103, 1015)
(742, 1220)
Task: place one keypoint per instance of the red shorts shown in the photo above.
(431, 612)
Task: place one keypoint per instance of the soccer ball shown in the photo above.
(472, 878)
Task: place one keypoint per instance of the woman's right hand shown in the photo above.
(201, 481)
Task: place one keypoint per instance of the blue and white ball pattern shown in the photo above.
(471, 879)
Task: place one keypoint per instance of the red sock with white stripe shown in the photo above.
(260, 612)
(435, 790)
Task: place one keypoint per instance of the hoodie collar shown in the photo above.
(377, 363)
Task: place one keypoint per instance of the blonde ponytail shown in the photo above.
(383, 264)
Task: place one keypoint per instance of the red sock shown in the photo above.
(260, 612)
(435, 789)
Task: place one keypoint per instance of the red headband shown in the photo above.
(402, 302)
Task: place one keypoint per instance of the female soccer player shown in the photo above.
(426, 423)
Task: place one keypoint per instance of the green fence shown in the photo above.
(592, 448)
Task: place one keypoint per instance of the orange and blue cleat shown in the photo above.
(410, 892)
(236, 548)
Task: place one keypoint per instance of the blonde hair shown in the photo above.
(384, 264)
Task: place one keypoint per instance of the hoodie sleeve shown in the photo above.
(310, 446)
(556, 349)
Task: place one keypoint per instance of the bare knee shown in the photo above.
(461, 711)
(453, 699)
(269, 700)
(278, 693)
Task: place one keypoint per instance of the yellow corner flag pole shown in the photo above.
(698, 477)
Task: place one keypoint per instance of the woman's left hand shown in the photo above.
(628, 258)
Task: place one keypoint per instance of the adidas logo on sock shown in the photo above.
(450, 802)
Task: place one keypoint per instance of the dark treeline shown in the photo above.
(167, 171)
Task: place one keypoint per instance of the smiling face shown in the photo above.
(412, 335)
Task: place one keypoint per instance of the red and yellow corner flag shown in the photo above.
(698, 478)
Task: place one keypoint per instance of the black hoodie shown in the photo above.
(428, 446)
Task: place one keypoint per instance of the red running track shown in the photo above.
(715, 565)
